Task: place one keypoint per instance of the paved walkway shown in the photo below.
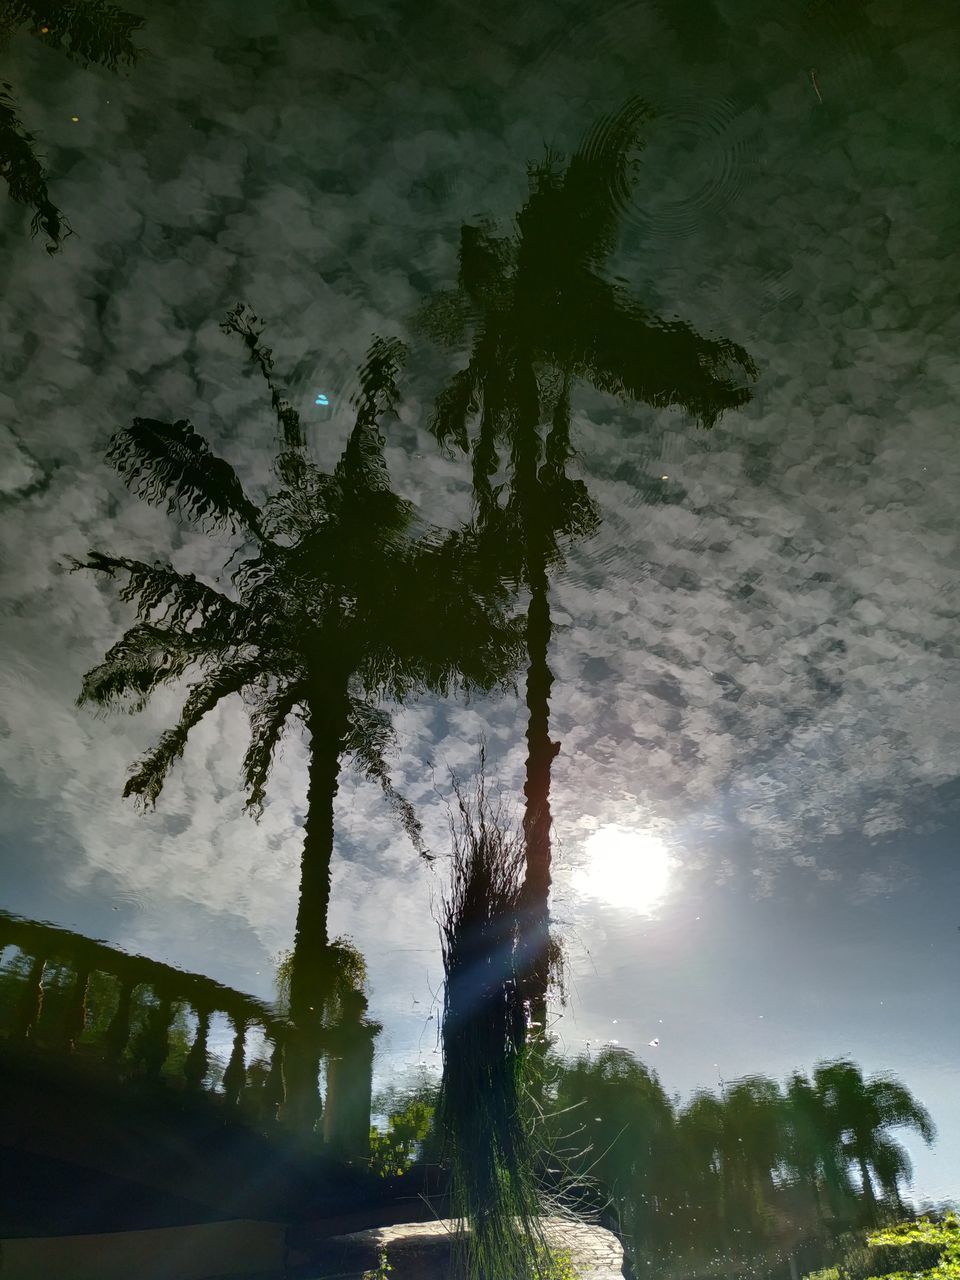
(421, 1250)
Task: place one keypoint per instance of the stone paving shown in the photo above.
(421, 1250)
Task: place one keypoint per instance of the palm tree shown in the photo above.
(861, 1114)
(540, 317)
(86, 31)
(339, 601)
(753, 1133)
(693, 1176)
(810, 1152)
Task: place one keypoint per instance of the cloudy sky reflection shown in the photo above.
(757, 650)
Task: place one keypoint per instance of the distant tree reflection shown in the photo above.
(540, 316)
(87, 31)
(739, 1180)
(340, 600)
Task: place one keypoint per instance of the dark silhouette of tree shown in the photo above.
(861, 1114)
(483, 1112)
(87, 31)
(539, 316)
(340, 601)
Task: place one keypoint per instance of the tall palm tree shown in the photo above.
(861, 1114)
(340, 600)
(753, 1133)
(811, 1154)
(540, 316)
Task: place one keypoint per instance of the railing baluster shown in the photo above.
(235, 1074)
(274, 1086)
(156, 1039)
(195, 1067)
(118, 1032)
(31, 1004)
(75, 1015)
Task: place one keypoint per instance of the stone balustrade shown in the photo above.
(148, 1000)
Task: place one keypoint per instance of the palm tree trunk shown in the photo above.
(869, 1196)
(541, 751)
(327, 721)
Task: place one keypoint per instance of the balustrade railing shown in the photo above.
(131, 1014)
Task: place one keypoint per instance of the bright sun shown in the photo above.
(628, 869)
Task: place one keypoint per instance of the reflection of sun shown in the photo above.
(628, 869)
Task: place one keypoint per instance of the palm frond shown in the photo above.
(891, 1163)
(24, 175)
(897, 1105)
(378, 392)
(362, 466)
(485, 265)
(567, 508)
(168, 596)
(369, 736)
(573, 213)
(169, 462)
(599, 332)
(454, 631)
(145, 657)
(453, 409)
(308, 500)
(244, 321)
(148, 777)
(85, 30)
(268, 716)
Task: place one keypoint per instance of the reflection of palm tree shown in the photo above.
(336, 603)
(86, 31)
(713, 1177)
(810, 1152)
(752, 1142)
(542, 317)
(861, 1113)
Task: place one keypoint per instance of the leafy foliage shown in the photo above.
(85, 30)
(746, 1174)
(383, 1268)
(542, 316)
(21, 169)
(336, 596)
(924, 1249)
(393, 1151)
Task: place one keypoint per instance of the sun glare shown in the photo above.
(626, 869)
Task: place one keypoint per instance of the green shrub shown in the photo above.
(920, 1250)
